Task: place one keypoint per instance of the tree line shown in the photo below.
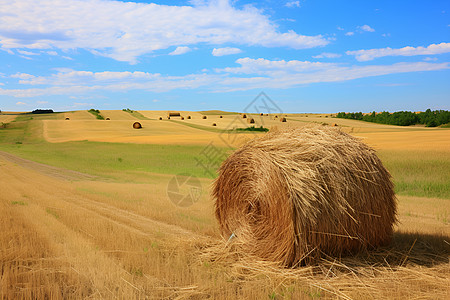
(430, 118)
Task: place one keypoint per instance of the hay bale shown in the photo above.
(137, 125)
(107, 119)
(276, 116)
(220, 117)
(244, 116)
(334, 124)
(182, 118)
(283, 119)
(160, 118)
(261, 114)
(189, 117)
(204, 117)
(214, 124)
(67, 119)
(251, 120)
(173, 114)
(295, 194)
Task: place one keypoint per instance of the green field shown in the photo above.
(415, 173)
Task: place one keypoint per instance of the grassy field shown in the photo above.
(109, 230)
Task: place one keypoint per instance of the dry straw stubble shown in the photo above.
(296, 194)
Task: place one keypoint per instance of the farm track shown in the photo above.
(51, 171)
(126, 219)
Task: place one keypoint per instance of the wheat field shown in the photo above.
(92, 219)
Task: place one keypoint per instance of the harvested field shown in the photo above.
(83, 225)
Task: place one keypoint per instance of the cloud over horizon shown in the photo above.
(125, 30)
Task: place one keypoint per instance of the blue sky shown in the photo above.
(307, 56)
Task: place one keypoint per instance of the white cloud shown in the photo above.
(20, 103)
(225, 51)
(22, 76)
(180, 50)
(53, 53)
(366, 28)
(291, 4)
(366, 55)
(430, 59)
(125, 30)
(41, 102)
(328, 55)
(23, 52)
(249, 74)
(340, 28)
(350, 33)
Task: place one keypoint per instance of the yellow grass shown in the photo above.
(121, 131)
(72, 238)
(123, 240)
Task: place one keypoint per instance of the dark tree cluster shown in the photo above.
(42, 111)
(402, 118)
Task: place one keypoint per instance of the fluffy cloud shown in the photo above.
(126, 30)
(225, 51)
(180, 50)
(366, 55)
(250, 74)
(328, 55)
(366, 28)
(350, 33)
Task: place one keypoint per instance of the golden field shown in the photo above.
(76, 228)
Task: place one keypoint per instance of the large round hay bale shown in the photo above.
(67, 119)
(283, 119)
(297, 193)
(220, 117)
(182, 118)
(214, 124)
(251, 120)
(137, 125)
(243, 116)
(204, 117)
(189, 117)
(107, 119)
(160, 118)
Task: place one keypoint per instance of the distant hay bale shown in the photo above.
(296, 194)
(137, 125)
(107, 119)
(214, 124)
(204, 117)
(283, 119)
(276, 116)
(334, 124)
(168, 117)
(251, 120)
(261, 114)
(182, 118)
(243, 116)
(188, 117)
(67, 119)
(220, 117)
(174, 114)
(160, 118)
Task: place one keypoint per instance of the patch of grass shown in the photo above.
(253, 128)
(419, 173)
(83, 156)
(52, 212)
(18, 203)
(136, 114)
(96, 113)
